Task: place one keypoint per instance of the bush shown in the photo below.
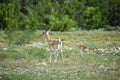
(29, 21)
(92, 18)
(9, 14)
(18, 37)
(63, 23)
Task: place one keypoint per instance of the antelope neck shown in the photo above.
(47, 36)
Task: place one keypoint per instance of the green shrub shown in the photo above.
(10, 14)
(62, 23)
(92, 18)
(30, 21)
(18, 37)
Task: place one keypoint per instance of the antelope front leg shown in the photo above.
(51, 54)
(56, 56)
(50, 59)
(61, 53)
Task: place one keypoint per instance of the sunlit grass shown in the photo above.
(88, 55)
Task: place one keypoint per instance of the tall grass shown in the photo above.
(88, 55)
(21, 52)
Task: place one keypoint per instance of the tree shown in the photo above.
(92, 18)
(9, 14)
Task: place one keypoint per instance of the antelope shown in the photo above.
(55, 46)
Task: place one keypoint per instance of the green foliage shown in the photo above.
(111, 11)
(30, 21)
(18, 37)
(63, 23)
(10, 14)
(58, 15)
(92, 18)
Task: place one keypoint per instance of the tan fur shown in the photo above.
(55, 46)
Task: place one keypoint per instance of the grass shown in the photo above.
(88, 55)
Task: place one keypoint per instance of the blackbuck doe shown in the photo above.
(55, 46)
